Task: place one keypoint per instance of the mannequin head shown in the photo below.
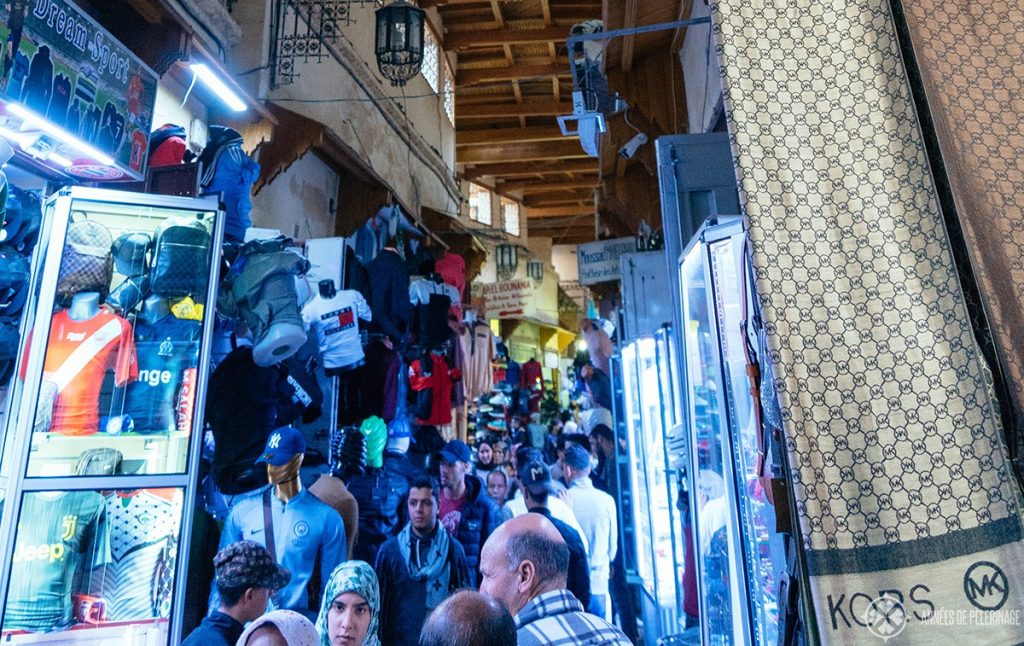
(283, 456)
(84, 306)
(399, 444)
(327, 289)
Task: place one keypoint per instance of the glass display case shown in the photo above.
(763, 550)
(651, 397)
(100, 458)
(719, 553)
(739, 554)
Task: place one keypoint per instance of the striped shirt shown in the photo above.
(556, 618)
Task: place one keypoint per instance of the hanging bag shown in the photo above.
(181, 259)
(87, 264)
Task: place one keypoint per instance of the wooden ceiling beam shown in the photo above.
(535, 187)
(466, 77)
(455, 41)
(492, 136)
(532, 151)
(427, 4)
(540, 212)
(527, 169)
(525, 109)
(628, 42)
(557, 199)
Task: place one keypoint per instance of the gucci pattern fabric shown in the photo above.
(969, 57)
(901, 480)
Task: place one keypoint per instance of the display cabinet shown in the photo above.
(100, 453)
(652, 406)
(740, 556)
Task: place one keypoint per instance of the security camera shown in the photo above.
(627, 151)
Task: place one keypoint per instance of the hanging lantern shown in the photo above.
(399, 43)
(507, 256)
(535, 270)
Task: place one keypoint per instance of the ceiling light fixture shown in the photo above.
(60, 160)
(59, 133)
(218, 86)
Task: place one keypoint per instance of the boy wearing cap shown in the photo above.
(295, 526)
(464, 509)
(246, 576)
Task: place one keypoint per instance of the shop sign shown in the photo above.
(599, 261)
(65, 68)
(510, 299)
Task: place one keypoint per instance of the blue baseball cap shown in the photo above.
(282, 445)
(455, 451)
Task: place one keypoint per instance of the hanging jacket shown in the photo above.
(389, 296)
(381, 496)
(228, 170)
(260, 288)
(167, 146)
(243, 417)
(437, 378)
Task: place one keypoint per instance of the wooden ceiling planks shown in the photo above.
(514, 69)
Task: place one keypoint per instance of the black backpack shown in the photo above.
(14, 283)
(181, 259)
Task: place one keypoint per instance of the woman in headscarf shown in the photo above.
(290, 626)
(350, 607)
(484, 460)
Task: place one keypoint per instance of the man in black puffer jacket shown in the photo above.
(381, 495)
(465, 510)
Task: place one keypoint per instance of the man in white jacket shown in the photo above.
(595, 512)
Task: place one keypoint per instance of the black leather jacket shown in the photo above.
(381, 494)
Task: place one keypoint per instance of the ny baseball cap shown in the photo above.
(247, 564)
(455, 451)
(282, 445)
(536, 477)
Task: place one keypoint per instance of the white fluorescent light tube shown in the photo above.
(60, 159)
(60, 133)
(218, 86)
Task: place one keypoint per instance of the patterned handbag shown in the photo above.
(87, 264)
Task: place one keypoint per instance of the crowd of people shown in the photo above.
(511, 540)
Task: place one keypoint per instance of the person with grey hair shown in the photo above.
(469, 618)
(524, 565)
(595, 511)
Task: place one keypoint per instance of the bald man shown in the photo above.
(469, 618)
(524, 564)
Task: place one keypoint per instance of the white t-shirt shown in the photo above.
(421, 290)
(337, 326)
(517, 507)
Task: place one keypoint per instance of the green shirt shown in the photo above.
(58, 537)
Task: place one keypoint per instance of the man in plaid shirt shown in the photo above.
(524, 564)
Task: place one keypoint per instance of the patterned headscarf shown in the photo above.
(296, 629)
(351, 576)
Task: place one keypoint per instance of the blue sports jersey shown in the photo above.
(165, 350)
(304, 528)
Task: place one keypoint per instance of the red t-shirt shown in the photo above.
(449, 512)
(78, 354)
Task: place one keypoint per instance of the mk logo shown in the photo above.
(986, 586)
